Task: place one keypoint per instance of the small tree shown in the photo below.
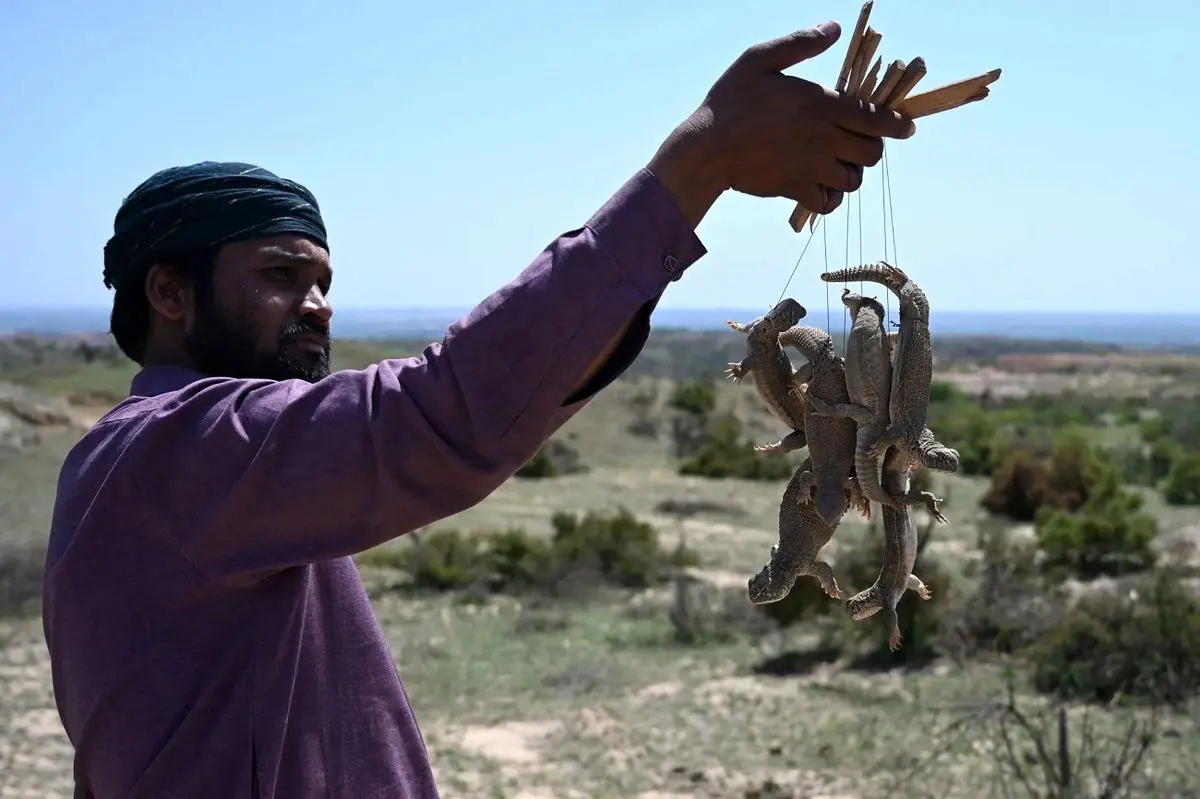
(1108, 535)
(1182, 486)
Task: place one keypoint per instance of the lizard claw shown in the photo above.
(734, 372)
(932, 504)
(766, 447)
(923, 592)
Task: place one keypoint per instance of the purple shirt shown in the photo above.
(208, 632)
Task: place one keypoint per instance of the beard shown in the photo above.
(222, 344)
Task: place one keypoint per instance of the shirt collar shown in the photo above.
(154, 380)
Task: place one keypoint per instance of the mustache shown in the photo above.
(302, 328)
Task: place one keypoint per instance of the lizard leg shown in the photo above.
(824, 574)
(806, 481)
(839, 410)
(915, 584)
(740, 327)
(890, 437)
(931, 503)
(797, 439)
(893, 620)
(854, 493)
(736, 371)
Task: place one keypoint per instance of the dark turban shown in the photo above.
(189, 208)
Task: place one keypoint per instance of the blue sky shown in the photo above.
(447, 147)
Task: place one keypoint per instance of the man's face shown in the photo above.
(264, 313)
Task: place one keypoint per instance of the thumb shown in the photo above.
(779, 54)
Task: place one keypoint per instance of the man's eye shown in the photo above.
(283, 273)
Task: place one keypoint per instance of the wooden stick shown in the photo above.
(954, 94)
(799, 216)
(865, 53)
(868, 84)
(952, 104)
(860, 28)
(912, 74)
(893, 74)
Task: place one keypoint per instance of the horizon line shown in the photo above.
(462, 309)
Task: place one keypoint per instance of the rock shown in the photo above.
(24, 413)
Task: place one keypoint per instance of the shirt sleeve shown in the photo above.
(254, 476)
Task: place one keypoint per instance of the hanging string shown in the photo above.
(812, 232)
(825, 246)
(888, 215)
(861, 287)
(845, 333)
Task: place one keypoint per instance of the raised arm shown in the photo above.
(288, 473)
(291, 472)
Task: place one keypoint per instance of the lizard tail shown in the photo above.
(881, 272)
(871, 481)
(811, 342)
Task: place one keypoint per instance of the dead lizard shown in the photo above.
(772, 371)
(900, 555)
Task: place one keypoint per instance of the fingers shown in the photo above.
(779, 54)
(855, 148)
(808, 194)
(838, 175)
(862, 117)
(833, 198)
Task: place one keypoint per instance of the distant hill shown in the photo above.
(1157, 331)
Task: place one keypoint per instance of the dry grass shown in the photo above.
(592, 699)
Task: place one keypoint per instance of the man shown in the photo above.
(209, 634)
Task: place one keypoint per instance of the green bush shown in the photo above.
(1143, 646)
(693, 403)
(1108, 535)
(446, 559)
(695, 397)
(623, 549)
(618, 548)
(1020, 485)
(1182, 484)
(725, 453)
(1007, 607)
(553, 459)
(1025, 482)
(540, 465)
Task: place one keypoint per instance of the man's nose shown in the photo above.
(315, 304)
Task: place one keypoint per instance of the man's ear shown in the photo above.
(169, 292)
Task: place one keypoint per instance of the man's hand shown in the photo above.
(764, 133)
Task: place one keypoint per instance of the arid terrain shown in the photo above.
(1060, 655)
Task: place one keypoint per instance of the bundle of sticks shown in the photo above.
(894, 89)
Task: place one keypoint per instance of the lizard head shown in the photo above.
(941, 459)
(786, 313)
(855, 303)
(863, 605)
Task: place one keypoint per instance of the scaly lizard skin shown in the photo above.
(869, 382)
(900, 555)
(830, 439)
(802, 535)
(908, 406)
(772, 371)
